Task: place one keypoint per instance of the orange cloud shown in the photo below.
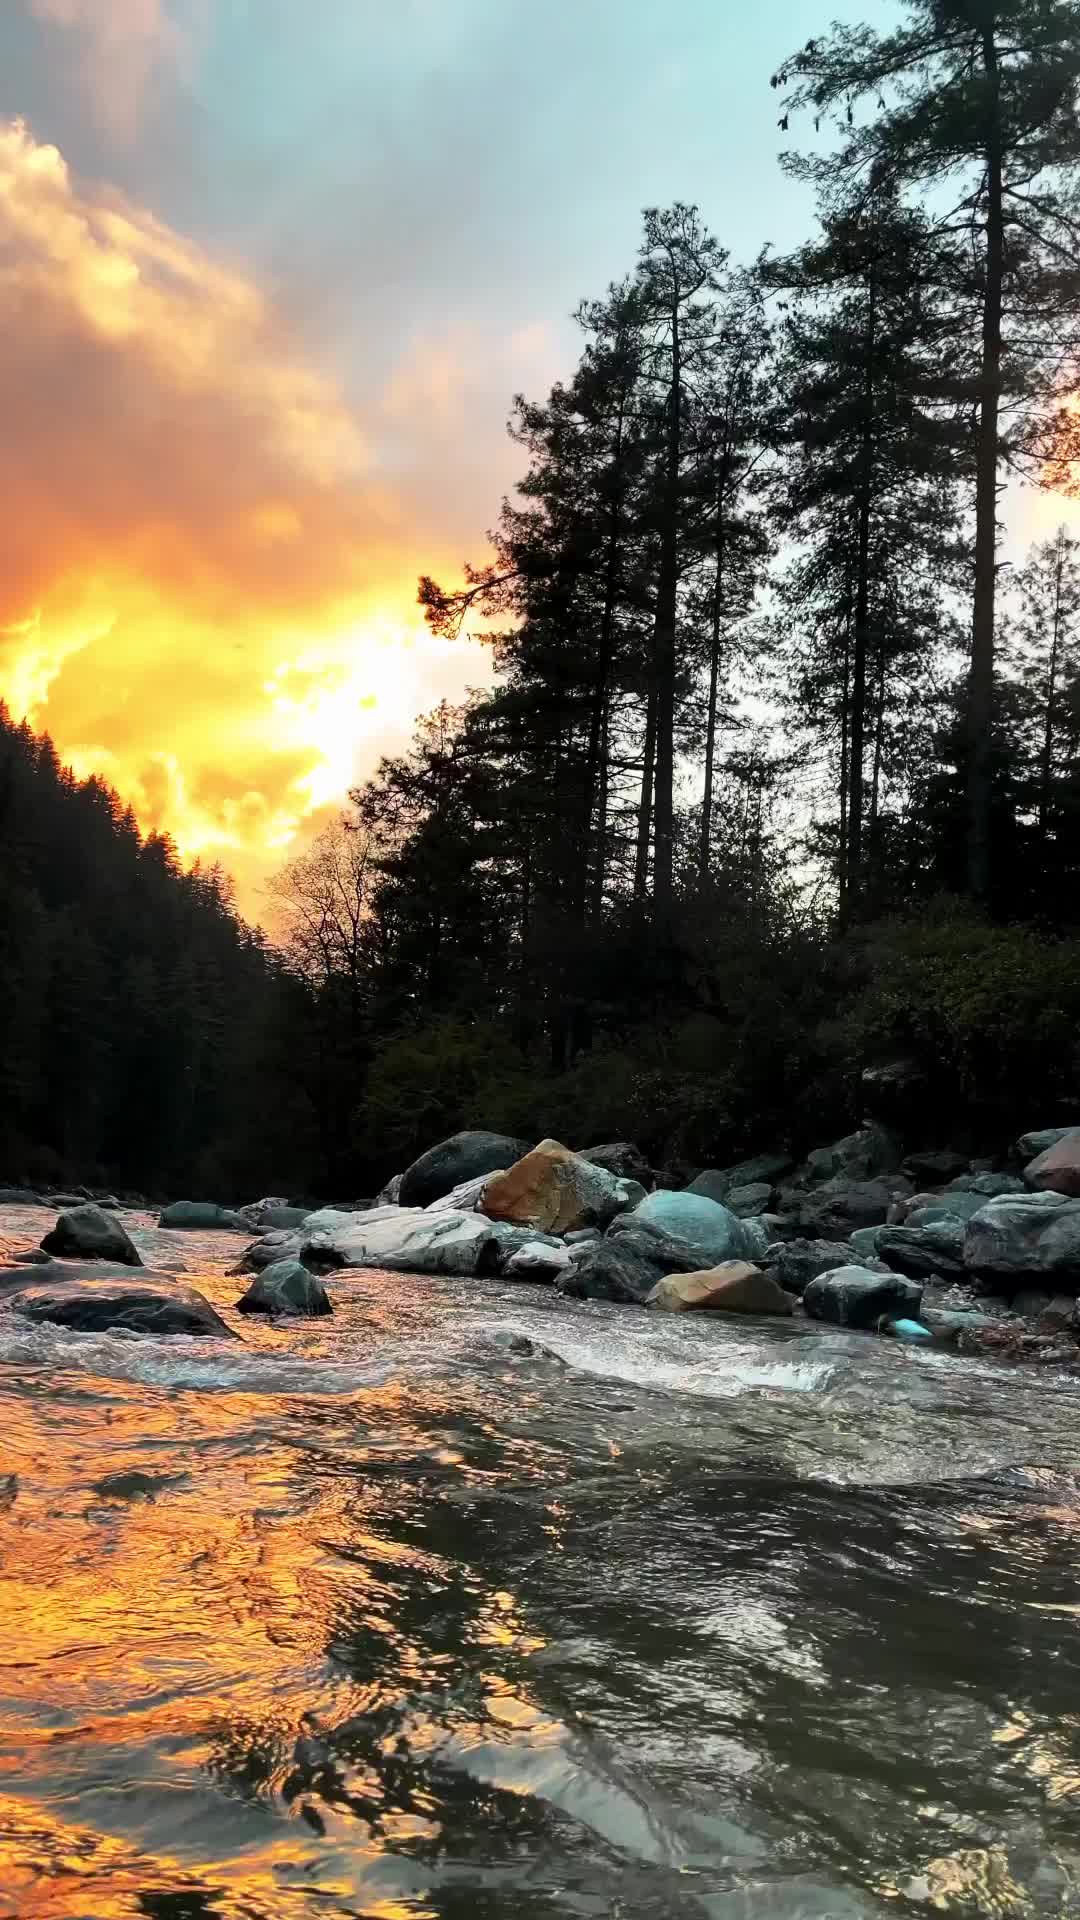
(204, 591)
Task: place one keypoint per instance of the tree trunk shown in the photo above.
(714, 683)
(1046, 773)
(597, 770)
(664, 641)
(845, 771)
(857, 751)
(981, 681)
(645, 810)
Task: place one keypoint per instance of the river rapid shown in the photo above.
(667, 1619)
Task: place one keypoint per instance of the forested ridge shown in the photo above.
(778, 775)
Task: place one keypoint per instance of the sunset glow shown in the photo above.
(209, 599)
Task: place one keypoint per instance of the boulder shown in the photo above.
(60, 1200)
(864, 1242)
(19, 1197)
(538, 1260)
(1057, 1169)
(583, 1236)
(463, 1199)
(272, 1215)
(1051, 1310)
(85, 1233)
(390, 1195)
(855, 1297)
(922, 1251)
(794, 1263)
(463, 1157)
(950, 1324)
(715, 1183)
(407, 1240)
(711, 1232)
(1030, 1145)
(98, 1302)
(621, 1158)
(622, 1269)
(288, 1288)
(838, 1209)
(750, 1200)
(197, 1216)
(556, 1191)
(1034, 1234)
(927, 1210)
(989, 1185)
(861, 1155)
(733, 1287)
(933, 1169)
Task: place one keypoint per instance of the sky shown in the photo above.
(270, 274)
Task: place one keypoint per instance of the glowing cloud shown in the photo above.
(198, 572)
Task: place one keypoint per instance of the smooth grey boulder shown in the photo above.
(708, 1230)
(1036, 1233)
(407, 1240)
(196, 1216)
(621, 1158)
(950, 1324)
(463, 1157)
(390, 1195)
(19, 1197)
(538, 1261)
(794, 1263)
(922, 1251)
(287, 1288)
(856, 1297)
(85, 1233)
(153, 1303)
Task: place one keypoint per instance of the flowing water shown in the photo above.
(665, 1620)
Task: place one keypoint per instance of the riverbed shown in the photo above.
(664, 1619)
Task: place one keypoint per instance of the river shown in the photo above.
(668, 1619)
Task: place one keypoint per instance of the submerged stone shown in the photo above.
(100, 1303)
(85, 1233)
(855, 1297)
(199, 1216)
(288, 1288)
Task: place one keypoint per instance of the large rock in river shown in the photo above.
(463, 1157)
(196, 1216)
(1033, 1233)
(708, 1229)
(407, 1240)
(85, 1233)
(855, 1297)
(1058, 1169)
(734, 1287)
(556, 1191)
(288, 1288)
(91, 1300)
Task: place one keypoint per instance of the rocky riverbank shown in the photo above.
(920, 1246)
